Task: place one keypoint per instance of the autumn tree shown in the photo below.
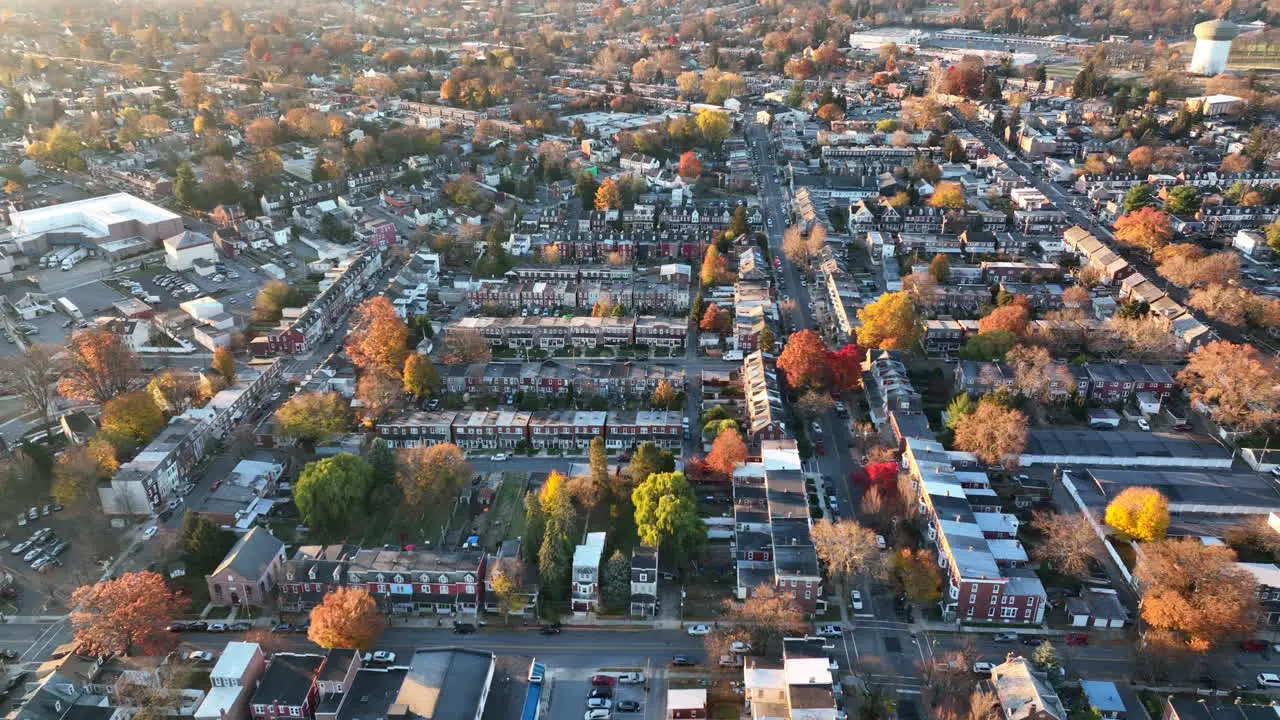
(1145, 228)
(1197, 591)
(889, 323)
(333, 491)
(262, 133)
(378, 393)
(1036, 375)
(32, 374)
(507, 588)
(1194, 267)
(272, 298)
(803, 360)
(647, 460)
(666, 515)
(727, 453)
(1070, 543)
(79, 469)
(940, 269)
(915, 573)
(130, 420)
(97, 366)
(609, 195)
(801, 249)
(1012, 318)
(126, 615)
(433, 475)
(993, 433)
(847, 549)
(947, 194)
(1238, 383)
(1141, 513)
(224, 363)
(463, 346)
(310, 417)
(768, 615)
(421, 379)
(378, 338)
(348, 617)
(990, 345)
(814, 405)
(690, 167)
(664, 396)
(716, 320)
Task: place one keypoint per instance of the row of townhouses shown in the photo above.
(663, 289)
(301, 328)
(541, 430)
(549, 377)
(552, 333)
(1103, 382)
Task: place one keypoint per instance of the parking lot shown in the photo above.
(572, 696)
(56, 553)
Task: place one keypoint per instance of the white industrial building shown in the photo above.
(1213, 45)
(181, 251)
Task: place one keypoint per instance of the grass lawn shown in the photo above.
(194, 587)
(505, 518)
(404, 526)
(726, 711)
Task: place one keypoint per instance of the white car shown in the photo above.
(855, 599)
(740, 646)
(200, 656)
(384, 656)
(828, 631)
(1268, 680)
(630, 678)
(1144, 425)
(983, 667)
(696, 630)
(597, 714)
(500, 457)
(600, 703)
(149, 532)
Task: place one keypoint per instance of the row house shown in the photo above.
(1024, 272)
(552, 333)
(417, 429)
(584, 596)
(280, 202)
(929, 244)
(612, 380)
(1224, 180)
(943, 338)
(983, 580)
(288, 687)
(765, 419)
(596, 245)
(366, 180)
(644, 581)
(565, 430)
(1040, 222)
(1115, 383)
(571, 273)
(871, 214)
(1230, 218)
(659, 332)
(401, 581)
(490, 429)
(342, 286)
(637, 295)
(888, 386)
(1094, 253)
(627, 429)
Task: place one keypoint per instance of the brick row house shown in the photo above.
(553, 333)
(1105, 383)
(666, 290)
(543, 429)
(401, 581)
(299, 331)
(765, 420)
(619, 381)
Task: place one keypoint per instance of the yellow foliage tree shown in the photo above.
(609, 195)
(1142, 513)
(889, 323)
(947, 194)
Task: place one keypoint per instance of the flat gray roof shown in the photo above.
(1120, 444)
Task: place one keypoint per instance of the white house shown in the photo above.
(181, 251)
(586, 573)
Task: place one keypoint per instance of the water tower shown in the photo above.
(1213, 44)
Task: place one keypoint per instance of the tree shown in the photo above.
(1234, 163)
(916, 574)
(125, 616)
(713, 125)
(191, 90)
(814, 405)
(727, 453)
(273, 297)
(310, 417)
(130, 420)
(799, 249)
(505, 581)
(690, 166)
(960, 406)
(990, 345)
(994, 433)
(716, 320)
(615, 582)
(667, 515)
(421, 379)
(1146, 229)
(598, 461)
(261, 133)
(609, 195)
(1273, 236)
(463, 346)
(1011, 318)
(847, 549)
(1239, 384)
(1070, 543)
(1141, 513)
(765, 617)
(803, 360)
(379, 337)
(647, 460)
(204, 543)
(378, 393)
(348, 617)
(1190, 267)
(844, 368)
(556, 554)
(1036, 375)
(332, 492)
(433, 475)
(1197, 591)
(224, 363)
(1139, 196)
(79, 469)
(830, 112)
(947, 194)
(33, 374)
(97, 366)
(1182, 200)
(664, 396)
(940, 269)
(952, 150)
(889, 323)
(1045, 656)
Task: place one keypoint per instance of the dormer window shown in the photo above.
(311, 574)
(442, 578)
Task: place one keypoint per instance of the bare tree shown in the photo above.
(1070, 542)
(33, 375)
(848, 549)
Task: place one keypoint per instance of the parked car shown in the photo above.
(464, 628)
(21, 547)
(1077, 639)
(855, 599)
(597, 714)
(603, 679)
(150, 532)
(179, 626)
(198, 626)
(601, 691)
(699, 629)
(627, 706)
(982, 667)
(240, 626)
(381, 656)
(1033, 640)
(500, 457)
(200, 656)
(282, 628)
(217, 627)
(1253, 645)
(600, 703)
(631, 678)
(1004, 637)
(550, 629)
(682, 661)
(1268, 680)
(740, 646)
(828, 631)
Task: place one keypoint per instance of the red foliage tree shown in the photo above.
(126, 615)
(845, 367)
(690, 165)
(804, 360)
(881, 475)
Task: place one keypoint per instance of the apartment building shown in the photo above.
(585, 593)
(402, 581)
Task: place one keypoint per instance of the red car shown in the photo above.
(822, 449)
(603, 679)
(1253, 645)
(1077, 639)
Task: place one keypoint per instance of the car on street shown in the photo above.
(200, 656)
(197, 626)
(381, 656)
(218, 627)
(1033, 640)
(1144, 425)
(631, 678)
(855, 599)
(697, 630)
(597, 714)
(178, 626)
(1004, 637)
(1253, 645)
(682, 661)
(282, 628)
(1268, 680)
(828, 631)
(627, 706)
(1077, 639)
(150, 532)
(740, 646)
(1183, 427)
(500, 457)
(603, 679)
(982, 667)
(174, 503)
(464, 628)
(240, 626)
(550, 629)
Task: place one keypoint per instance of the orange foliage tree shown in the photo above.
(1145, 228)
(346, 618)
(98, 366)
(690, 165)
(126, 615)
(380, 339)
(1012, 318)
(994, 433)
(803, 359)
(1239, 384)
(727, 452)
(1197, 591)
